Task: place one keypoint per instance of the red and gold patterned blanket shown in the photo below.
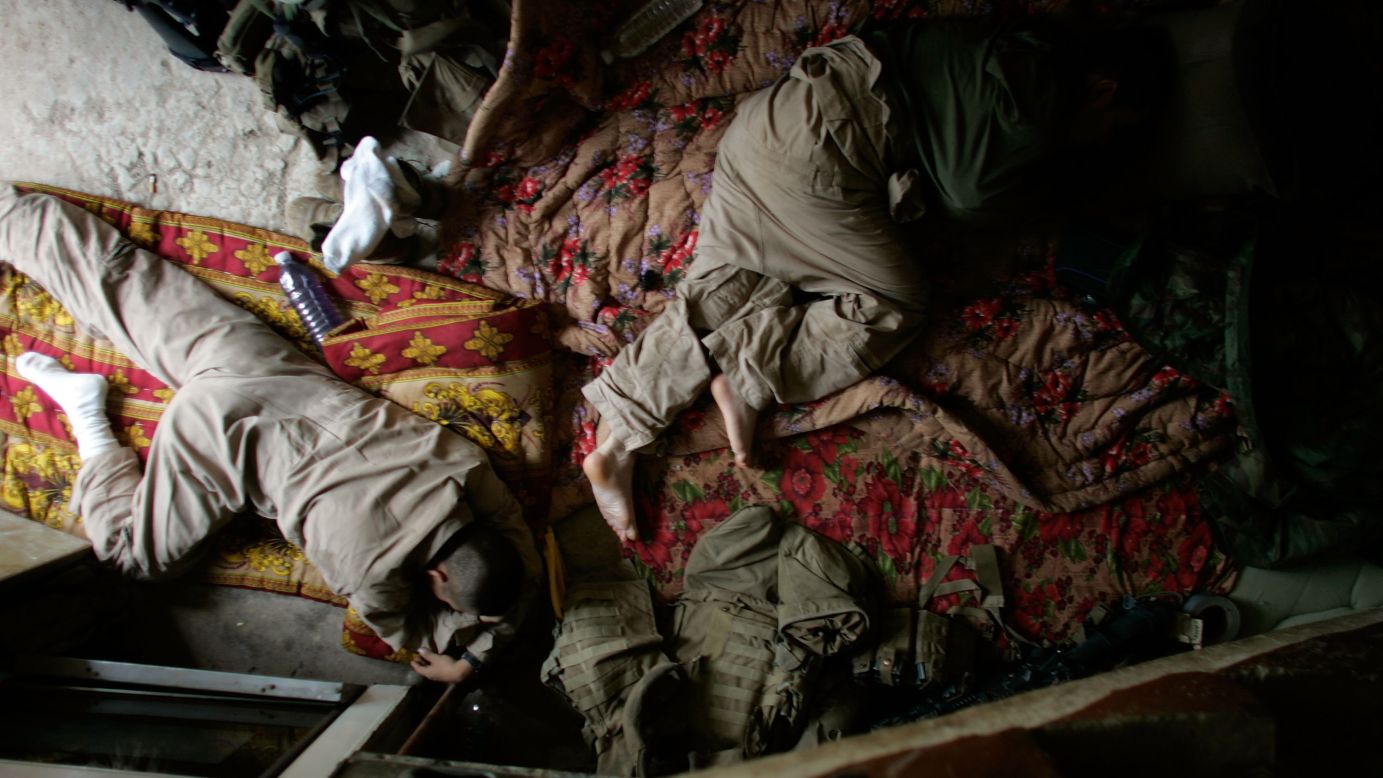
(464, 356)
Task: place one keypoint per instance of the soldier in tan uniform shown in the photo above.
(403, 517)
(804, 281)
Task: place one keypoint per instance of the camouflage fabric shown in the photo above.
(1276, 308)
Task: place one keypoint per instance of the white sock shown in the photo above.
(378, 199)
(82, 397)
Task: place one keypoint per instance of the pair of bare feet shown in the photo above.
(611, 466)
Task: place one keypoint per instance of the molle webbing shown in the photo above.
(736, 659)
(606, 642)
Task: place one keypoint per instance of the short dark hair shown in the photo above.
(484, 571)
(1138, 56)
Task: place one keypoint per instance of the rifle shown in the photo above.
(1140, 629)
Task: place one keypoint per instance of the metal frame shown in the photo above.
(186, 678)
(361, 711)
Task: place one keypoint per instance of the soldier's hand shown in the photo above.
(440, 667)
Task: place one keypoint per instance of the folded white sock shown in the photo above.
(378, 199)
(82, 397)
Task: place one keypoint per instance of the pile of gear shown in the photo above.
(778, 642)
(419, 64)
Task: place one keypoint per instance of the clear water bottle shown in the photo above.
(315, 309)
(647, 26)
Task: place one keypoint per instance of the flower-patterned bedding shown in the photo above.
(1022, 417)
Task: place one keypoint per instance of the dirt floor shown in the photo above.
(94, 102)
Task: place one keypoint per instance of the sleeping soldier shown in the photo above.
(403, 517)
(804, 281)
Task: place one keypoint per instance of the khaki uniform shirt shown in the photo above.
(367, 489)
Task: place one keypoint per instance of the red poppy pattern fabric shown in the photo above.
(1021, 418)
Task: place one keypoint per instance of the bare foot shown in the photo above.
(611, 471)
(739, 419)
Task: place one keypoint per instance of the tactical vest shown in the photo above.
(608, 661)
(765, 603)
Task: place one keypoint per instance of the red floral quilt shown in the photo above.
(1022, 418)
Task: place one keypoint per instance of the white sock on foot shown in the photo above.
(378, 199)
(82, 397)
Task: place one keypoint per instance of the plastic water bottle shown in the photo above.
(647, 26)
(308, 297)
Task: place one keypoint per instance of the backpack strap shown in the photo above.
(986, 589)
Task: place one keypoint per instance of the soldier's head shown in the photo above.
(477, 571)
(1121, 77)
